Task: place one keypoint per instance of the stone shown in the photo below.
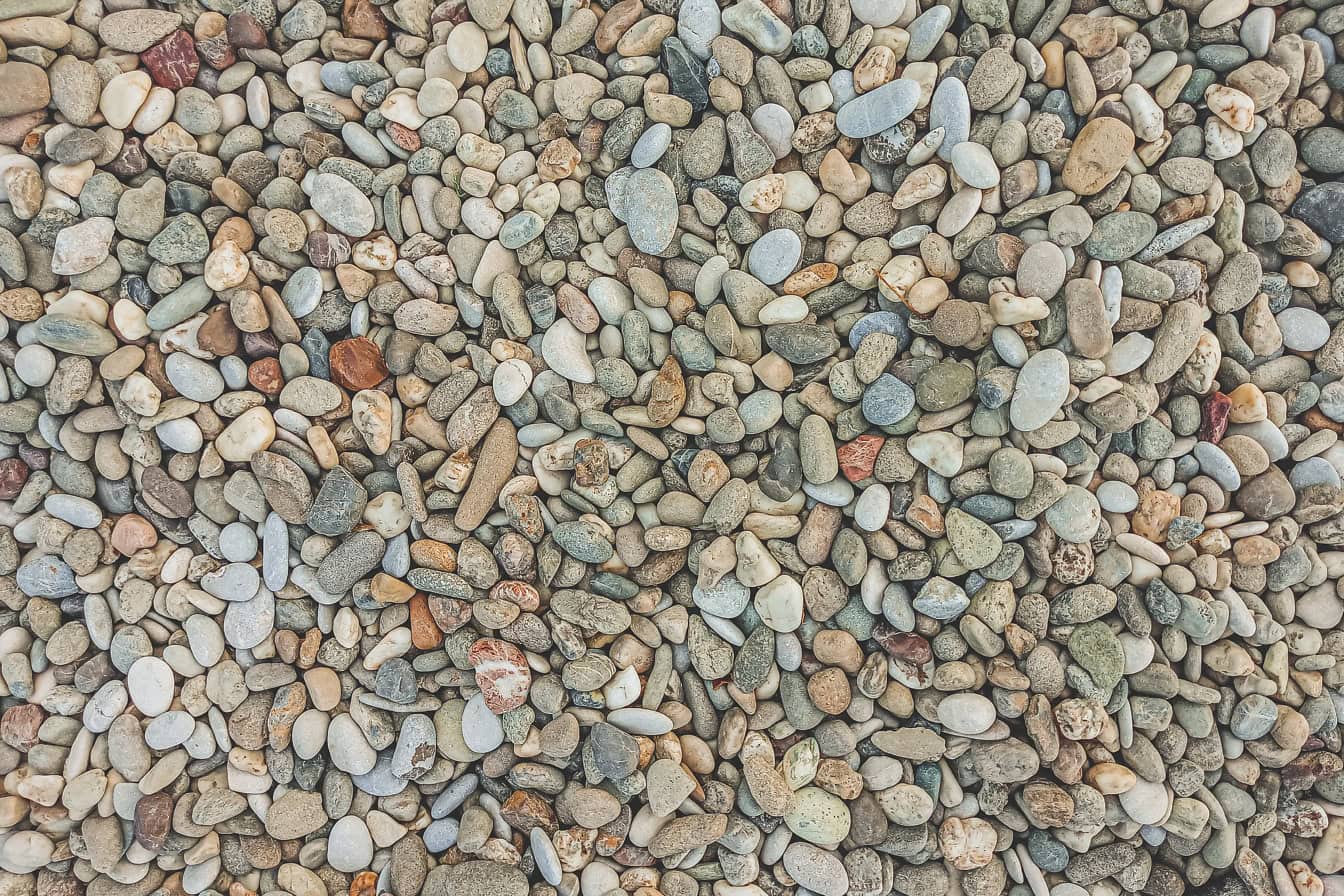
(342, 205)
(819, 870)
(1098, 153)
(887, 401)
(27, 88)
(652, 215)
(1041, 389)
(294, 815)
(966, 713)
(878, 110)
(774, 256)
(501, 673)
(836, 447)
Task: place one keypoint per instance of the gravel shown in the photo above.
(501, 448)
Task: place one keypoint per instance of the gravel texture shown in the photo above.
(656, 448)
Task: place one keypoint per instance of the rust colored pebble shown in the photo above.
(858, 457)
(13, 474)
(153, 820)
(19, 725)
(502, 673)
(172, 62)
(132, 533)
(425, 635)
(357, 363)
(265, 375)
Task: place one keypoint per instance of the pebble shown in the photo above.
(774, 256)
(847, 447)
(817, 869)
(967, 713)
(349, 845)
(1041, 389)
(650, 209)
(342, 205)
(877, 110)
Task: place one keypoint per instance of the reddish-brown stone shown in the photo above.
(245, 32)
(526, 811)
(361, 18)
(434, 554)
(619, 19)
(1303, 772)
(667, 393)
(289, 702)
(265, 375)
(502, 674)
(326, 250)
(153, 819)
(365, 883)
(18, 726)
(173, 62)
(1314, 420)
(153, 367)
(403, 136)
(911, 651)
(425, 635)
(902, 645)
(130, 161)
(13, 474)
(454, 11)
(520, 593)
(628, 855)
(260, 345)
(357, 363)
(858, 457)
(1216, 409)
(449, 613)
(218, 335)
(132, 533)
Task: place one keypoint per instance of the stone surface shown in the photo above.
(500, 447)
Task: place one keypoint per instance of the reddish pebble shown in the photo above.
(361, 18)
(858, 457)
(13, 474)
(449, 613)
(218, 335)
(1216, 409)
(265, 375)
(520, 593)
(365, 883)
(526, 811)
(902, 645)
(425, 635)
(133, 533)
(245, 32)
(403, 136)
(18, 726)
(172, 62)
(501, 674)
(357, 364)
(326, 250)
(153, 818)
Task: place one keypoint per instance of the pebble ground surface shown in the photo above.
(671, 448)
